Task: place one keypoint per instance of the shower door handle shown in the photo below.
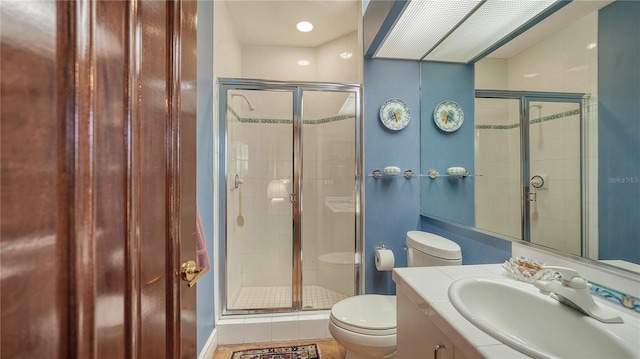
(292, 198)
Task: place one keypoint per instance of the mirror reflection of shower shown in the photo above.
(539, 107)
(540, 138)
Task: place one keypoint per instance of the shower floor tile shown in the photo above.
(313, 297)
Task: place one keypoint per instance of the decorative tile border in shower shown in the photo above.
(497, 127)
(265, 120)
(289, 122)
(625, 300)
(534, 121)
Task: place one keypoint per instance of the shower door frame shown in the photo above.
(297, 89)
(525, 98)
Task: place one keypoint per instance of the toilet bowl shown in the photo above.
(366, 324)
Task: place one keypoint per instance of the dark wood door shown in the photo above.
(97, 178)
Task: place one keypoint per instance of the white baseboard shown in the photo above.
(210, 346)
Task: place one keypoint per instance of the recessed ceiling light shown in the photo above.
(346, 55)
(303, 62)
(304, 26)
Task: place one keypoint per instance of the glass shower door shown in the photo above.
(291, 226)
(553, 175)
(259, 231)
(498, 192)
(329, 197)
(528, 149)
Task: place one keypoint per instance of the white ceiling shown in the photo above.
(269, 22)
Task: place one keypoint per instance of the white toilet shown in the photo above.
(366, 324)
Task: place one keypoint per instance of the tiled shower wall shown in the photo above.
(259, 252)
(497, 157)
(565, 62)
(555, 153)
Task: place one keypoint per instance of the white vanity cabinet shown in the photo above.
(418, 336)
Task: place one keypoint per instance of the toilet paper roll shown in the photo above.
(384, 260)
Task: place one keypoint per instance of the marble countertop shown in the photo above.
(427, 287)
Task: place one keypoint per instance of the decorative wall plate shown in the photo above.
(448, 116)
(395, 114)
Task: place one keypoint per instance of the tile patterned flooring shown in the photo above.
(329, 349)
(313, 297)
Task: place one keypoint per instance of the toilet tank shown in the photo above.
(426, 249)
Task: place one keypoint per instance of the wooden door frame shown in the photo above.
(180, 175)
(72, 62)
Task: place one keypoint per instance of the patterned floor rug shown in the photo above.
(307, 351)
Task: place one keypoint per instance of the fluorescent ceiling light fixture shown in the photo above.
(493, 22)
(421, 26)
(304, 26)
(459, 31)
(303, 62)
(346, 55)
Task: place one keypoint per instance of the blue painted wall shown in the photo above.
(619, 131)
(392, 205)
(204, 162)
(476, 247)
(449, 198)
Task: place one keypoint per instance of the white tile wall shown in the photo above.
(497, 160)
(273, 327)
(555, 153)
(227, 49)
(285, 328)
(332, 66)
(324, 62)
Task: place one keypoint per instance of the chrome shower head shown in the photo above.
(251, 107)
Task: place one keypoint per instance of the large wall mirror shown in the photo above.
(560, 169)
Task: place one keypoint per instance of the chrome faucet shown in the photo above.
(573, 290)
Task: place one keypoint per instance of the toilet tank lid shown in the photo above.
(434, 245)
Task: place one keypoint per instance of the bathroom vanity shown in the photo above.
(429, 326)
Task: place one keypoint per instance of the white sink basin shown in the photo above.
(519, 316)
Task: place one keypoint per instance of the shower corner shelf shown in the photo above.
(377, 174)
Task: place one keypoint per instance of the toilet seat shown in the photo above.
(370, 314)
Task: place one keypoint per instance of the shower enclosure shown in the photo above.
(290, 194)
(530, 152)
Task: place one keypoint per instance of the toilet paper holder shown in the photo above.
(381, 246)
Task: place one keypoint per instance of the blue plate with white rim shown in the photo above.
(448, 116)
(395, 114)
